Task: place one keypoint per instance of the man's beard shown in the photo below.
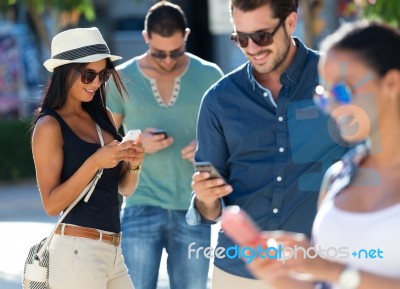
(278, 59)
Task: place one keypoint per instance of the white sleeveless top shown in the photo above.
(369, 241)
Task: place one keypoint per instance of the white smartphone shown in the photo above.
(209, 168)
(133, 134)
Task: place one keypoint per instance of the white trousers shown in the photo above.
(222, 280)
(82, 263)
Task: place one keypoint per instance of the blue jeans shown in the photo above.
(146, 230)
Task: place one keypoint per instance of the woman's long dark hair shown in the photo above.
(56, 93)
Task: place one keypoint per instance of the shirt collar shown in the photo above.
(250, 75)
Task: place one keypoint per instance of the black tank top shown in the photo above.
(102, 209)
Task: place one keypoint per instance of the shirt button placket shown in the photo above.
(281, 136)
(281, 147)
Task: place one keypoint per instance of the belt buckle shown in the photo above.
(115, 239)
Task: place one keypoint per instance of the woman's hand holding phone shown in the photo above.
(240, 228)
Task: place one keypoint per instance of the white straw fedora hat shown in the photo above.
(79, 45)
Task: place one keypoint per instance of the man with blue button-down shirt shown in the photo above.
(260, 128)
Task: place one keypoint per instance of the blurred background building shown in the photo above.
(27, 27)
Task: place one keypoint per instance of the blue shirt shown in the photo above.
(274, 154)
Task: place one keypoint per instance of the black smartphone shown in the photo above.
(160, 131)
(207, 167)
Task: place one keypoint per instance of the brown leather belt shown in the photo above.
(90, 233)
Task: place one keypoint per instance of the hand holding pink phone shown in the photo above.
(239, 227)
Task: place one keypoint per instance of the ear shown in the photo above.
(391, 83)
(187, 32)
(291, 23)
(146, 36)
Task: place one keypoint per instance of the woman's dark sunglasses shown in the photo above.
(161, 55)
(89, 75)
(261, 37)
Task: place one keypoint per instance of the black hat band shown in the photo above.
(82, 52)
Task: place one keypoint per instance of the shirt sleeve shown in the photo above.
(211, 141)
(211, 147)
(214, 74)
(193, 216)
(114, 100)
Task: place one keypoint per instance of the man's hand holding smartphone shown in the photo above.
(209, 187)
(155, 140)
(160, 131)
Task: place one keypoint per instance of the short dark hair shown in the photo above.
(377, 44)
(165, 19)
(280, 8)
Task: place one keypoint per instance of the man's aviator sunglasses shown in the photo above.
(261, 37)
(89, 75)
(161, 55)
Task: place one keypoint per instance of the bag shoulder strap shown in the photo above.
(87, 190)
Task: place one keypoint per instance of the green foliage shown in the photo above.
(385, 10)
(16, 160)
(85, 7)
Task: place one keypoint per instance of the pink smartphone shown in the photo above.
(239, 227)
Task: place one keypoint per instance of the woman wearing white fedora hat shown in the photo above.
(69, 130)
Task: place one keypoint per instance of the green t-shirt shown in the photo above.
(165, 178)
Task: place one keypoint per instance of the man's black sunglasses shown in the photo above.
(261, 37)
(161, 55)
(89, 75)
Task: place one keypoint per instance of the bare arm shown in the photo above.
(128, 181)
(129, 177)
(47, 143)
(48, 157)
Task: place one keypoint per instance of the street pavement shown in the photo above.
(23, 223)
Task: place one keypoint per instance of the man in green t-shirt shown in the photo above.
(165, 86)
